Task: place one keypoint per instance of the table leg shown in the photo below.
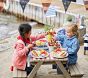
(35, 69)
(84, 52)
(62, 68)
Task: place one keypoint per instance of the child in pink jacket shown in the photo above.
(22, 47)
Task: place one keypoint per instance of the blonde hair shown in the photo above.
(74, 29)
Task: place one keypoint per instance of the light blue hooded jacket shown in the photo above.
(72, 46)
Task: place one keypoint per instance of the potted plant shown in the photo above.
(47, 27)
(69, 18)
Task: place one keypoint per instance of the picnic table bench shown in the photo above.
(19, 73)
(75, 71)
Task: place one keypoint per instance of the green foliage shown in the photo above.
(69, 18)
(48, 27)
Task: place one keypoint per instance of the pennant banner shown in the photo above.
(73, 0)
(86, 4)
(1, 5)
(23, 4)
(46, 4)
(66, 4)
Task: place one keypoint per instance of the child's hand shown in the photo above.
(30, 46)
(34, 43)
(43, 34)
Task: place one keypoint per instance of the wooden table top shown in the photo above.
(48, 59)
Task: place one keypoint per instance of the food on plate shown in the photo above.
(43, 52)
(39, 53)
(57, 50)
(40, 43)
(59, 53)
(63, 53)
(50, 35)
(51, 32)
(34, 53)
(54, 43)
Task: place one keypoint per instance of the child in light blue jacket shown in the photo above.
(70, 42)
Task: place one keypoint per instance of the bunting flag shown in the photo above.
(23, 4)
(86, 4)
(1, 5)
(73, 0)
(66, 4)
(46, 4)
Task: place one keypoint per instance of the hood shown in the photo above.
(24, 40)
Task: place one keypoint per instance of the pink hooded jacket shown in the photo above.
(19, 56)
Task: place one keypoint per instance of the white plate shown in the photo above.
(41, 55)
(42, 47)
(58, 55)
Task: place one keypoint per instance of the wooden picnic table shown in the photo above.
(49, 60)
